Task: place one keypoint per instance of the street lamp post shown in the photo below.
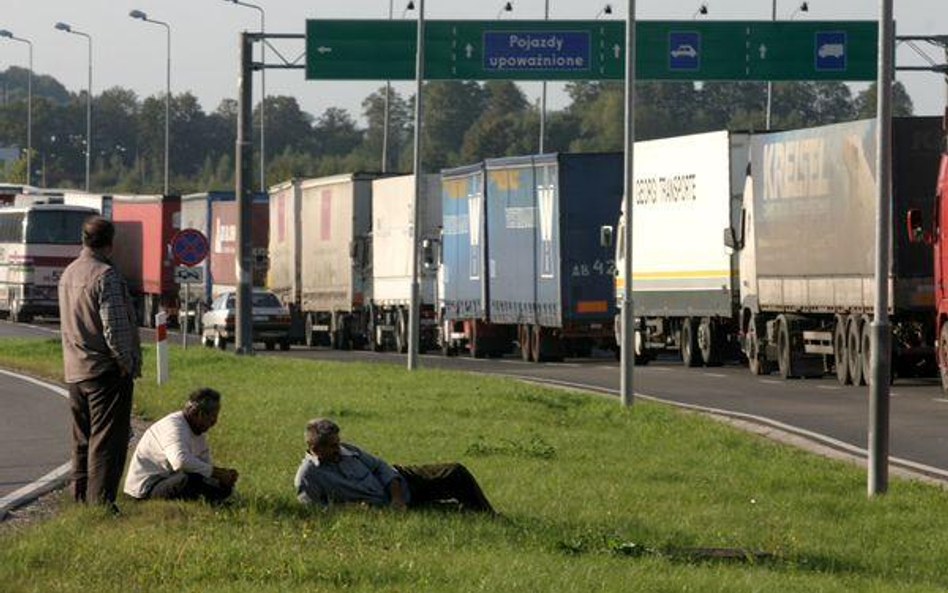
(29, 106)
(65, 28)
(546, 17)
(605, 10)
(702, 11)
(388, 92)
(263, 91)
(137, 14)
(505, 7)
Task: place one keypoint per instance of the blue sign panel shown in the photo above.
(189, 247)
(684, 50)
(830, 49)
(531, 51)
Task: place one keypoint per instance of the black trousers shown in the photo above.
(184, 486)
(101, 425)
(434, 483)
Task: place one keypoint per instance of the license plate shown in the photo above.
(260, 318)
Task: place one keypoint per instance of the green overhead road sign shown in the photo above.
(592, 50)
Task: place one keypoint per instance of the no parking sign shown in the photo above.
(189, 247)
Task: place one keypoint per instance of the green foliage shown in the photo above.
(594, 497)
(463, 122)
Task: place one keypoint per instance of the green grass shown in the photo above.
(594, 497)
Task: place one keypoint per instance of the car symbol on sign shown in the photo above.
(683, 51)
(831, 50)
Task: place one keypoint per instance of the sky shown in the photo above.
(131, 53)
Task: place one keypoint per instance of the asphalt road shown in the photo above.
(34, 432)
(919, 412)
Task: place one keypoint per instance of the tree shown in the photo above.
(399, 137)
(450, 108)
(901, 102)
(335, 133)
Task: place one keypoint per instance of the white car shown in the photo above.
(684, 51)
(271, 321)
(831, 50)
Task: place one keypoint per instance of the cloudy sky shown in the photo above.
(204, 53)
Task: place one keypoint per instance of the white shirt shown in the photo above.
(167, 447)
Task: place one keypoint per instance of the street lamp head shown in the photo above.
(63, 27)
(804, 7)
(5, 33)
(703, 9)
(607, 9)
(137, 14)
(508, 7)
(410, 6)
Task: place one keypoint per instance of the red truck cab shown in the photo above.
(940, 237)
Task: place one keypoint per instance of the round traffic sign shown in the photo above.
(189, 247)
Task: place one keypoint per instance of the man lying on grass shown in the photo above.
(336, 472)
(173, 461)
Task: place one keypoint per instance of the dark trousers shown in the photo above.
(431, 484)
(184, 486)
(101, 425)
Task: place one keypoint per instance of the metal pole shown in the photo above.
(89, 117)
(29, 119)
(627, 347)
(168, 114)
(244, 175)
(546, 17)
(263, 102)
(187, 304)
(388, 98)
(881, 336)
(413, 325)
(770, 84)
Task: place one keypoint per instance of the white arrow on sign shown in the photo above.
(617, 50)
(324, 50)
(469, 50)
(763, 51)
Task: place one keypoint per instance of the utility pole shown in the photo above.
(546, 17)
(627, 348)
(244, 196)
(413, 321)
(878, 477)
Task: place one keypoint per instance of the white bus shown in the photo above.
(36, 244)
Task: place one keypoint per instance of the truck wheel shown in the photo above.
(401, 331)
(219, 342)
(840, 351)
(476, 342)
(867, 349)
(270, 345)
(854, 349)
(285, 344)
(525, 339)
(943, 357)
(709, 342)
(757, 361)
(784, 349)
(690, 351)
(309, 337)
(206, 340)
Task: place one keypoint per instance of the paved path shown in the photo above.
(34, 432)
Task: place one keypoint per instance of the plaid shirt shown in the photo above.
(119, 324)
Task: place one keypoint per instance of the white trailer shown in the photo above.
(392, 200)
(685, 288)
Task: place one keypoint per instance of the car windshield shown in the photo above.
(62, 227)
(260, 300)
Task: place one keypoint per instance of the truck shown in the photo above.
(321, 262)
(685, 282)
(523, 262)
(392, 200)
(144, 227)
(36, 244)
(806, 243)
(214, 213)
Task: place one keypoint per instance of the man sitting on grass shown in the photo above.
(335, 472)
(173, 461)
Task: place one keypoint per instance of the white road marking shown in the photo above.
(770, 382)
(828, 387)
(50, 481)
(715, 375)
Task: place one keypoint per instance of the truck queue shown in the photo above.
(518, 253)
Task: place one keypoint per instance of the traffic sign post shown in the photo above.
(189, 248)
(593, 50)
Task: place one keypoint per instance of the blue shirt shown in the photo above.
(356, 477)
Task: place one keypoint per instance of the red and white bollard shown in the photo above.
(161, 346)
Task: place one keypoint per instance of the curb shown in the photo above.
(54, 480)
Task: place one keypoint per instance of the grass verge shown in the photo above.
(594, 497)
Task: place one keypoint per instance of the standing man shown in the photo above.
(101, 358)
